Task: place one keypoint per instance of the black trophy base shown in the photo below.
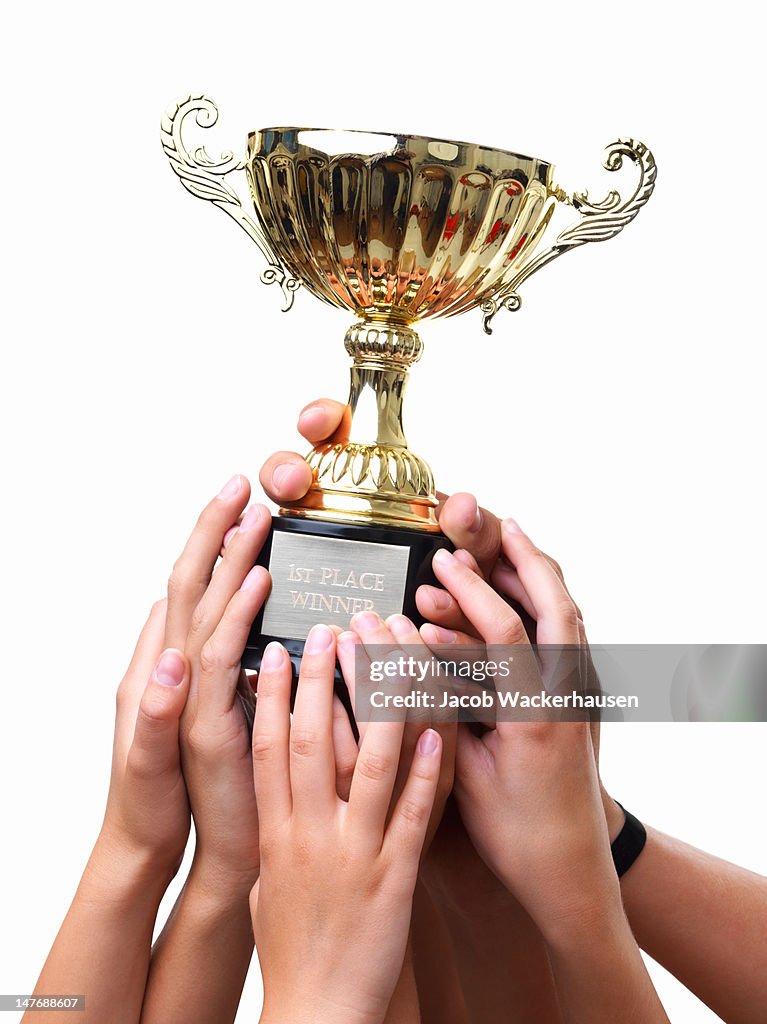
(327, 572)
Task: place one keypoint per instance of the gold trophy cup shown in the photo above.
(395, 229)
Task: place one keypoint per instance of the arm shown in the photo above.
(102, 948)
(201, 959)
(332, 907)
(715, 941)
(529, 796)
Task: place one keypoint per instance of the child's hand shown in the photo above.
(366, 639)
(209, 617)
(331, 910)
(529, 792)
(147, 810)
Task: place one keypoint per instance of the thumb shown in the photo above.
(472, 528)
(155, 747)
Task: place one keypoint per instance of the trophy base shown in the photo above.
(329, 571)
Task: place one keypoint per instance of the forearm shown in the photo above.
(403, 1008)
(502, 963)
(200, 961)
(599, 973)
(103, 946)
(705, 920)
(440, 994)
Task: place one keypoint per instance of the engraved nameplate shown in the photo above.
(323, 579)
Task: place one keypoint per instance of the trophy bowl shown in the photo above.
(396, 228)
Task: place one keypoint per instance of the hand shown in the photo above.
(529, 793)
(209, 617)
(331, 910)
(368, 629)
(147, 811)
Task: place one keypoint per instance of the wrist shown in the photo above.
(119, 874)
(593, 921)
(614, 815)
(222, 889)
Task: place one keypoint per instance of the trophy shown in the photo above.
(394, 229)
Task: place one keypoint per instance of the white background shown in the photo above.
(617, 416)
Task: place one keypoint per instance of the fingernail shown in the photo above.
(229, 534)
(511, 526)
(428, 742)
(347, 639)
(439, 635)
(475, 519)
(170, 669)
(312, 413)
(319, 639)
(273, 657)
(280, 475)
(232, 487)
(401, 626)
(443, 557)
(366, 620)
(252, 578)
(251, 518)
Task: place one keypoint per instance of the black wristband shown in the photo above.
(629, 842)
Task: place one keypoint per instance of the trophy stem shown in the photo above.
(366, 472)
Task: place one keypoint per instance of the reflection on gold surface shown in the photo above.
(395, 229)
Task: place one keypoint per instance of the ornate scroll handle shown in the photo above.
(599, 221)
(203, 177)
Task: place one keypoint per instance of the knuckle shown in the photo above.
(303, 743)
(555, 566)
(567, 612)
(414, 813)
(375, 767)
(209, 658)
(198, 624)
(263, 747)
(509, 626)
(137, 764)
(179, 580)
(197, 739)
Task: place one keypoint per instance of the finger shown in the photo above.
(488, 613)
(407, 828)
(345, 748)
(146, 654)
(312, 760)
(436, 605)
(194, 567)
(474, 763)
(229, 576)
(322, 419)
(285, 476)
(554, 610)
(373, 783)
(220, 663)
(354, 660)
(271, 737)
(472, 528)
(154, 749)
(506, 581)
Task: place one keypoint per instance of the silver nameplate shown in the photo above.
(323, 579)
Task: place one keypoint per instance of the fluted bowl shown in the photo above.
(396, 227)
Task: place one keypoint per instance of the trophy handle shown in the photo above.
(203, 177)
(598, 221)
